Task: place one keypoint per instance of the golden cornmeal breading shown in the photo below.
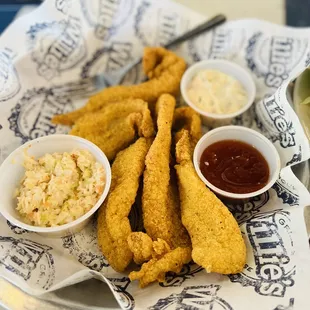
(144, 248)
(113, 223)
(160, 209)
(188, 119)
(156, 268)
(171, 247)
(217, 242)
(115, 126)
(163, 67)
(141, 246)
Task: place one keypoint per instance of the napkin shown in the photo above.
(64, 40)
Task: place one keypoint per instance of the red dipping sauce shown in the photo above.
(234, 166)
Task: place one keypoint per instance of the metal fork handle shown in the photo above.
(209, 24)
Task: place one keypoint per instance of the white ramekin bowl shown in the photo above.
(249, 136)
(12, 171)
(229, 68)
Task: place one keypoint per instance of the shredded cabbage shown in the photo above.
(59, 188)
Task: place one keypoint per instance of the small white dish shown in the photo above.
(229, 68)
(246, 135)
(12, 171)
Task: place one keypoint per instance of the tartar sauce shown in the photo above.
(216, 92)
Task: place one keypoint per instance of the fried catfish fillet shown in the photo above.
(217, 242)
(113, 223)
(156, 268)
(161, 213)
(188, 119)
(114, 127)
(167, 245)
(144, 248)
(163, 67)
(141, 246)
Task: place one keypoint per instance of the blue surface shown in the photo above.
(9, 8)
(298, 13)
(7, 13)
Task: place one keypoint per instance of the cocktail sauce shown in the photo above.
(234, 166)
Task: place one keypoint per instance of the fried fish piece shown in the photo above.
(163, 67)
(160, 247)
(161, 213)
(156, 268)
(179, 235)
(113, 223)
(217, 242)
(141, 246)
(114, 127)
(144, 248)
(171, 247)
(188, 119)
